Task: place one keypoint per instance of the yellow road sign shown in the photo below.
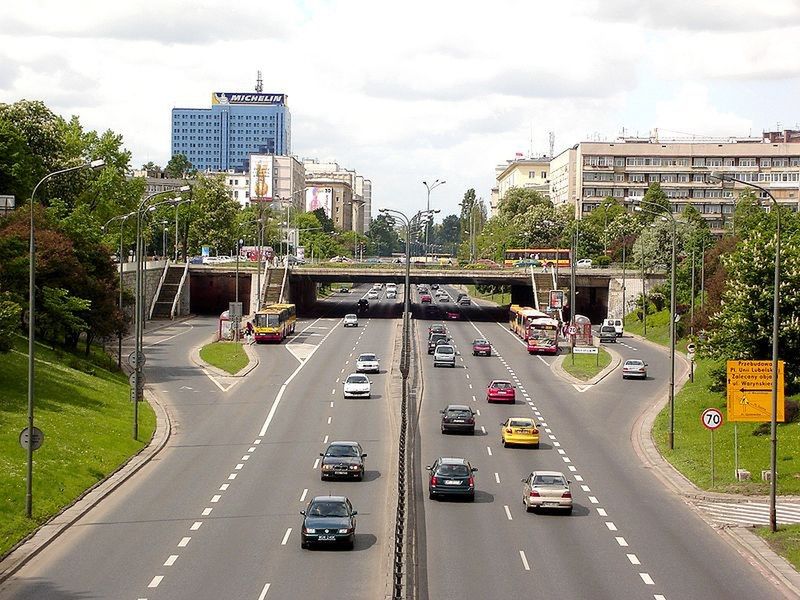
(750, 390)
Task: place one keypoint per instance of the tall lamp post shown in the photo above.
(776, 284)
(122, 219)
(656, 208)
(430, 188)
(95, 164)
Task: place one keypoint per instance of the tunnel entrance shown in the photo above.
(210, 293)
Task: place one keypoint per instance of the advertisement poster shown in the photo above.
(319, 197)
(260, 178)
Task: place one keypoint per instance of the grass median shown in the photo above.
(498, 298)
(228, 356)
(586, 366)
(87, 418)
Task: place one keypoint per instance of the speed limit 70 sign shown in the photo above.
(711, 418)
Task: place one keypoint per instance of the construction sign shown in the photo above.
(750, 391)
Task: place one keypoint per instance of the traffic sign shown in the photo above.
(572, 330)
(556, 299)
(750, 391)
(711, 418)
(36, 440)
(132, 380)
(133, 359)
(584, 349)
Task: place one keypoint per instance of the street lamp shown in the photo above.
(673, 316)
(177, 204)
(95, 164)
(164, 223)
(430, 188)
(776, 284)
(122, 219)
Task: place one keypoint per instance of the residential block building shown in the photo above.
(527, 173)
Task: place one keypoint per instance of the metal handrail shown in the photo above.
(180, 289)
(158, 289)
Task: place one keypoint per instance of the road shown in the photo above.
(627, 536)
(216, 514)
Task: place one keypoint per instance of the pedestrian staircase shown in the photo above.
(169, 289)
(272, 286)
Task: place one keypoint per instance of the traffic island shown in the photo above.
(225, 359)
(587, 366)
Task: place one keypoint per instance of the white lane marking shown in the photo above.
(659, 597)
(224, 487)
(593, 500)
(215, 498)
(467, 374)
(611, 526)
(258, 441)
(251, 449)
(286, 536)
(264, 592)
(155, 581)
(316, 463)
(232, 476)
(602, 512)
(581, 388)
(195, 526)
(573, 469)
(207, 511)
(562, 451)
(329, 420)
(333, 391)
(473, 398)
(303, 495)
(556, 444)
(483, 429)
(184, 542)
(543, 360)
(246, 457)
(489, 450)
(216, 383)
(525, 564)
(171, 560)
(621, 541)
(633, 558)
(565, 459)
(239, 466)
(497, 477)
(508, 512)
(551, 436)
(325, 440)
(342, 371)
(337, 380)
(586, 488)
(478, 412)
(470, 386)
(331, 403)
(577, 477)
(544, 424)
(647, 579)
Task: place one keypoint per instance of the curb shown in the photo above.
(559, 371)
(40, 539)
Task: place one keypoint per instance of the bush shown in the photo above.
(602, 261)
(9, 322)
(658, 299)
(718, 373)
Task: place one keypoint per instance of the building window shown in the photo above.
(747, 162)
(765, 162)
(714, 162)
(729, 162)
(636, 177)
(699, 162)
(544, 175)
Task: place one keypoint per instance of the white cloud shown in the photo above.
(690, 111)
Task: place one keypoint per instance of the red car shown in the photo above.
(453, 315)
(481, 346)
(500, 390)
(425, 298)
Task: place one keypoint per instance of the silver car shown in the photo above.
(546, 489)
(634, 367)
(368, 363)
(444, 354)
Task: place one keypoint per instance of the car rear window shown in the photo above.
(452, 471)
(501, 385)
(549, 480)
(521, 423)
(444, 350)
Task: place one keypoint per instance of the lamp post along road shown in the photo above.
(429, 188)
(776, 283)
(95, 164)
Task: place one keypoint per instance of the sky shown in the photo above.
(419, 90)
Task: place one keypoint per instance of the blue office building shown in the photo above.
(237, 124)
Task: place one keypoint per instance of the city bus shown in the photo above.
(274, 322)
(539, 330)
(546, 256)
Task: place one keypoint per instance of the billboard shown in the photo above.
(261, 178)
(250, 98)
(319, 197)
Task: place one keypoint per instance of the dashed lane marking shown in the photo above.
(525, 564)
(155, 581)
(286, 536)
(264, 592)
(171, 560)
(184, 542)
(196, 525)
(508, 512)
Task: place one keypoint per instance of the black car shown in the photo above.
(343, 459)
(464, 301)
(363, 305)
(451, 477)
(434, 286)
(460, 296)
(344, 290)
(437, 328)
(328, 520)
(459, 418)
(436, 338)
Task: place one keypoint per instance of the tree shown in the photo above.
(449, 232)
(10, 313)
(654, 195)
(179, 167)
(518, 201)
(152, 169)
(383, 236)
(213, 216)
(324, 220)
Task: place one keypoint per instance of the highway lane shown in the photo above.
(210, 517)
(627, 538)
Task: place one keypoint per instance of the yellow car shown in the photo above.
(519, 430)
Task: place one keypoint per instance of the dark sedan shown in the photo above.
(458, 418)
(343, 459)
(328, 520)
(481, 347)
(451, 477)
(436, 338)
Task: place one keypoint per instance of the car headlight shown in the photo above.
(327, 467)
(345, 530)
(354, 467)
(311, 531)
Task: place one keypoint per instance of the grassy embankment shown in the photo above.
(228, 356)
(692, 453)
(586, 366)
(87, 418)
(500, 299)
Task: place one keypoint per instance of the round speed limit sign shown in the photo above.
(711, 418)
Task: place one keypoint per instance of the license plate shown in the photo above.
(523, 431)
(340, 472)
(549, 503)
(326, 538)
(458, 420)
(452, 482)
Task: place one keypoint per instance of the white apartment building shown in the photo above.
(591, 171)
(288, 182)
(527, 173)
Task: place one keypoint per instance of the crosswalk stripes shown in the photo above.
(749, 513)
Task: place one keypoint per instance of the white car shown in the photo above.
(368, 363)
(444, 354)
(546, 489)
(357, 386)
(350, 320)
(372, 295)
(585, 263)
(634, 367)
(391, 294)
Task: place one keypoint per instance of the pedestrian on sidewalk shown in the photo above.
(248, 332)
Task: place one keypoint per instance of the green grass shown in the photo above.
(586, 365)
(500, 299)
(657, 327)
(87, 419)
(785, 541)
(228, 356)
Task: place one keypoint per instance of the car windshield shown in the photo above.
(555, 480)
(364, 357)
(520, 423)
(444, 349)
(480, 342)
(502, 385)
(342, 450)
(350, 318)
(452, 471)
(357, 379)
(328, 509)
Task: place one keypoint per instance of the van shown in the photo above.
(616, 324)
(608, 333)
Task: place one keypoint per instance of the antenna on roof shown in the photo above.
(552, 142)
(259, 83)
(530, 147)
